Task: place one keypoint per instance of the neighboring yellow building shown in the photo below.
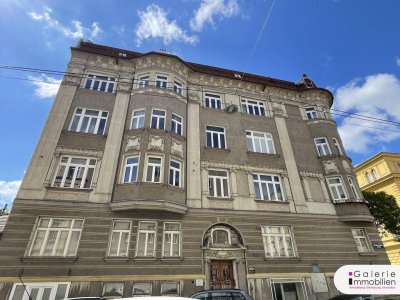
(382, 173)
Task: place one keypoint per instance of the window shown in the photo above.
(311, 113)
(172, 240)
(259, 142)
(100, 83)
(40, 290)
(119, 242)
(143, 81)
(176, 126)
(74, 172)
(178, 87)
(170, 289)
(131, 169)
(361, 240)
(288, 289)
(114, 289)
(268, 187)
(146, 240)
(142, 289)
(336, 188)
(218, 184)
(153, 169)
(221, 236)
(162, 81)
(353, 187)
(56, 237)
(174, 173)
(88, 121)
(322, 146)
(278, 241)
(158, 119)
(215, 137)
(337, 146)
(252, 107)
(368, 177)
(138, 119)
(212, 101)
(374, 174)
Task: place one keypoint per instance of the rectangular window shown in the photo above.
(40, 290)
(218, 184)
(119, 241)
(131, 169)
(253, 107)
(74, 172)
(212, 101)
(143, 81)
(289, 289)
(170, 289)
(158, 119)
(162, 81)
(175, 173)
(215, 137)
(354, 187)
(278, 241)
(142, 289)
(56, 237)
(336, 188)
(154, 165)
(322, 146)
(311, 113)
(146, 240)
(138, 119)
(259, 142)
(268, 187)
(100, 83)
(176, 125)
(178, 87)
(172, 240)
(337, 146)
(88, 121)
(113, 289)
(361, 240)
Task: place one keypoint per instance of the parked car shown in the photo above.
(231, 294)
(86, 298)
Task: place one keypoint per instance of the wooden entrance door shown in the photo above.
(221, 274)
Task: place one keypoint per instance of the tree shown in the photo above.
(384, 209)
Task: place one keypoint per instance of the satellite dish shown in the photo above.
(231, 108)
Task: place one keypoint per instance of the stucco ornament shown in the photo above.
(156, 143)
(330, 167)
(133, 143)
(346, 166)
(177, 148)
(278, 110)
(194, 96)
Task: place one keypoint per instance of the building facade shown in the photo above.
(381, 173)
(157, 176)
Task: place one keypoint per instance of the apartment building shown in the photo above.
(158, 176)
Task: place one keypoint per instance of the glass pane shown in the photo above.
(121, 225)
(169, 288)
(102, 126)
(114, 244)
(51, 240)
(172, 226)
(61, 291)
(127, 174)
(150, 243)
(44, 222)
(147, 226)
(89, 177)
(37, 244)
(73, 243)
(88, 84)
(61, 243)
(46, 294)
(78, 223)
(142, 288)
(74, 124)
(34, 293)
(257, 190)
(161, 123)
(141, 244)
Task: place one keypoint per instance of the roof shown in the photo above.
(376, 156)
(90, 47)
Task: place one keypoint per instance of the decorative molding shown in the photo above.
(223, 254)
(245, 167)
(306, 174)
(64, 150)
(330, 167)
(156, 143)
(177, 147)
(133, 143)
(346, 166)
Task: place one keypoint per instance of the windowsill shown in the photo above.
(218, 109)
(56, 188)
(318, 120)
(172, 258)
(329, 156)
(218, 149)
(263, 154)
(178, 188)
(271, 201)
(174, 134)
(102, 136)
(70, 259)
(128, 183)
(367, 254)
(252, 115)
(135, 129)
(116, 258)
(282, 258)
(99, 92)
(220, 198)
(144, 258)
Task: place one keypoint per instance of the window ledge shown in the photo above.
(263, 154)
(267, 116)
(142, 258)
(367, 254)
(220, 198)
(282, 258)
(98, 92)
(329, 156)
(177, 188)
(63, 259)
(271, 201)
(116, 258)
(100, 136)
(218, 149)
(56, 188)
(172, 258)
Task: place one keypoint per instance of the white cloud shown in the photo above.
(398, 61)
(76, 32)
(155, 24)
(119, 29)
(376, 96)
(8, 190)
(209, 9)
(45, 86)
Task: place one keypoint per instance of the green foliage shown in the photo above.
(384, 209)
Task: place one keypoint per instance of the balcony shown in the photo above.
(353, 212)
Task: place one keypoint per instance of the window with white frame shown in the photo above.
(138, 118)
(212, 101)
(289, 289)
(215, 137)
(218, 184)
(158, 119)
(374, 174)
(113, 289)
(221, 236)
(337, 146)
(259, 142)
(311, 113)
(336, 188)
(162, 81)
(143, 81)
(361, 240)
(131, 169)
(40, 290)
(278, 241)
(88, 121)
(119, 241)
(175, 173)
(100, 83)
(176, 124)
(268, 187)
(322, 146)
(154, 169)
(253, 107)
(146, 239)
(368, 177)
(354, 187)
(170, 289)
(74, 172)
(178, 87)
(172, 239)
(56, 237)
(142, 289)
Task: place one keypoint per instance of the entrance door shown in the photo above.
(221, 274)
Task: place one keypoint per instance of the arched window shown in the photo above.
(221, 236)
(374, 174)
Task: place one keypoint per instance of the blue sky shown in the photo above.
(349, 47)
